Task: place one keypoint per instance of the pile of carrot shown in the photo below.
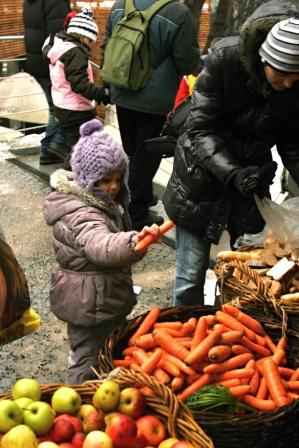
(229, 348)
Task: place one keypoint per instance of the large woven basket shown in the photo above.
(176, 416)
(256, 430)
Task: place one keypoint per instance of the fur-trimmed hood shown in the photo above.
(254, 31)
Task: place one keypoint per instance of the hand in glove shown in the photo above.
(246, 180)
(266, 176)
(103, 96)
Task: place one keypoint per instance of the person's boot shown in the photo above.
(48, 159)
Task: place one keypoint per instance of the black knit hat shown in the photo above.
(281, 48)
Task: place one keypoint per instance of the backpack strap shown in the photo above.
(129, 7)
(146, 13)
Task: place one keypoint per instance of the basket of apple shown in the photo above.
(118, 412)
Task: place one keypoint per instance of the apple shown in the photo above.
(76, 422)
(131, 402)
(62, 430)
(66, 445)
(168, 443)
(66, 400)
(182, 444)
(26, 387)
(10, 415)
(48, 445)
(78, 439)
(91, 418)
(98, 439)
(23, 402)
(106, 397)
(122, 429)
(19, 437)
(39, 416)
(152, 429)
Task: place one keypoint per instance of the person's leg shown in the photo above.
(85, 343)
(192, 262)
(135, 127)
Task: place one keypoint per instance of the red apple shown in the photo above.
(98, 439)
(182, 444)
(78, 440)
(62, 431)
(66, 445)
(131, 402)
(152, 429)
(76, 422)
(91, 418)
(122, 430)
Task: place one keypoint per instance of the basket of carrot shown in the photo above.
(234, 372)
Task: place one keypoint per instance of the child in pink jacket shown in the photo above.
(92, 289)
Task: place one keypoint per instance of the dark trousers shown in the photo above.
(135, 127)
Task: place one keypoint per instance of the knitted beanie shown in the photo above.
(281, 48)
(84, 25)
(96, 155)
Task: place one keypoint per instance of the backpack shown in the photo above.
(127, 55)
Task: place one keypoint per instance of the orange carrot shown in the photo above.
(147, 391)
(238, 391)
(189, 326)
(279, 355)
(236, 373)
(152, 362)
(122, 362)
(210, 319)
(170, 345)
(200, 332)
(177, 383)
(230, 364)
(232, 337)
(234, 324)
(259, 404)
(274, 382)
(194, 387)
(201, 351)
(161, 376)
(143, 244)
(139, 356)
(146, 341)
(245, 319)
(285, 372)
(180, 364)
(219, 353)
(293, 385)
(170, 368)
(147, 324)
(252, 346)
(261, 340)
(169, 325)
(136, 367)
(293, 396)
(262, 390)
(254, 383)
(295, 375)
(128, 351)
(238, 349)
(230, 383)
(192, 378)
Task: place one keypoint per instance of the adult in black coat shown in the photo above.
(245, 101)
(42, 18)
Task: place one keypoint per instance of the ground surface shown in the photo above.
(43, 355)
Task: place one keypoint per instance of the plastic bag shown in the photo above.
(282, 219)
(17, 318)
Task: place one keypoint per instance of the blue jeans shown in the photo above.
(54, 134)
(192, 262)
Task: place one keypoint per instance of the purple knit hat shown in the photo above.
(96, 155)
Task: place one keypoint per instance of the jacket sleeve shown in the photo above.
(210, 147)
(290, 158)
(100, 245)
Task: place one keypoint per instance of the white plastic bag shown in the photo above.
(282, 219)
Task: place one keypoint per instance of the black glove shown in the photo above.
(246, 180)
(266, 176)
(103, 96)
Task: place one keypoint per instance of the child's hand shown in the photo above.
(153, 231)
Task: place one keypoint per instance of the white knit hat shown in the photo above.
(281, 48)
(84, 25)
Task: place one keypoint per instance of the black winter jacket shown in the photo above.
(235, 119)
(41, 18)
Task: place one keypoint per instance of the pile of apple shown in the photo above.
(115, 419)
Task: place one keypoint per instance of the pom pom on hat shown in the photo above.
(84, 25)
(281, 48)
(96, 155)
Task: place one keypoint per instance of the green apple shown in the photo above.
(10, 415)
(106, 397)
(39, 416)
(23, 402)
(19, 437)
(26, 387)
(66, 400)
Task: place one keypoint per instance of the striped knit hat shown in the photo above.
(281, 48)
(84, 25)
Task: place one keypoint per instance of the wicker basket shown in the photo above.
(176, 416)
(261, 430)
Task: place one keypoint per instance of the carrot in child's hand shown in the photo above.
(145, 242)
(201, 351)
(147, 324)
(194, 387)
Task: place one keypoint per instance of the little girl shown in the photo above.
(92, 289)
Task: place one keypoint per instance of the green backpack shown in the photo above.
(127, 54)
